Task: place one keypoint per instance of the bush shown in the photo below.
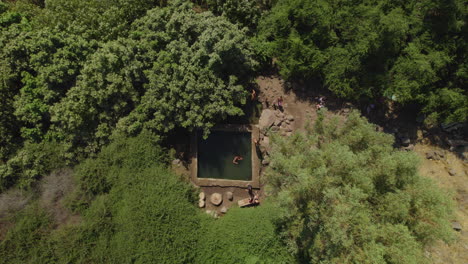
(25, 243)
(245, 235)
(31, 162)
(349, 197)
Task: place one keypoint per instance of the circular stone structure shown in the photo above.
(216, 199)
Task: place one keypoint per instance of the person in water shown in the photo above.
(236, 159)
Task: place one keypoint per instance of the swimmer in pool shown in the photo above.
(236, 159)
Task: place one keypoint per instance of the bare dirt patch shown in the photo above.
(438, 170)
(54, 189)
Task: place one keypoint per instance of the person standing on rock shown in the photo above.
(279, 103)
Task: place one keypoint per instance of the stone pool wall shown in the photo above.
(255, 182)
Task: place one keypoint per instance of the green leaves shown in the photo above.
(348, 196)
(363, 50)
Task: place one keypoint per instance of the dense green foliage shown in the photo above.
(98, 86)
(243, 236)
(407, 51)
(134, 210)
(26, 241)
(73, 80)
(349, 197)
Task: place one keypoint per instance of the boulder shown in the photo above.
(456, 226)
(223, 210)
(275, 129)
(267, 118)
(265, 162)
(290, 117)
(202, 196)
(229, 196)
(452, 172)
(216, 199)
(441, 154)
(410, 147)
(405, 141)
(434, 155)
(176, 162)
(278, 122)
(430, 155)
(201, 203)
(266, 141)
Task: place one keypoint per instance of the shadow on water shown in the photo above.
(216, 153)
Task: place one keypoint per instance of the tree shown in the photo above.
(365, 50)
(178, 69)
(349, 197)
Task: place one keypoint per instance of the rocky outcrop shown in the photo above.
(267, 118)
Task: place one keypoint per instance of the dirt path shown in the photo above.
(272, 87)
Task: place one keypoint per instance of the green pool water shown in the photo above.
(215, 155)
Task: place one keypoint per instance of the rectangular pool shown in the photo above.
(216, 153)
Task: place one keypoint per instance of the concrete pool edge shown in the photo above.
(210, 182)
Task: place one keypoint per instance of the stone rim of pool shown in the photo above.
(255, 162)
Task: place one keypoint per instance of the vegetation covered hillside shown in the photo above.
(101, 87)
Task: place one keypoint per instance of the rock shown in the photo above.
(290, 117)
(405, 141)
(440, 154)
(202, 196)
(263, 149)
(456, 226)
(266, 141)
(176, 162)
(201, 203)
(419, 134)
(265, 162)
(452, 172)
(410, 147)
(456, 143)
(287, 122)
(223, 210)
(267, 118)
(434, 155)
(275, 129)
(229, 196)
(278, 122)
(216, 199)
(288, 129)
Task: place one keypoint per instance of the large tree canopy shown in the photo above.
(407, 51)
(170, 68)
(349, 197)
